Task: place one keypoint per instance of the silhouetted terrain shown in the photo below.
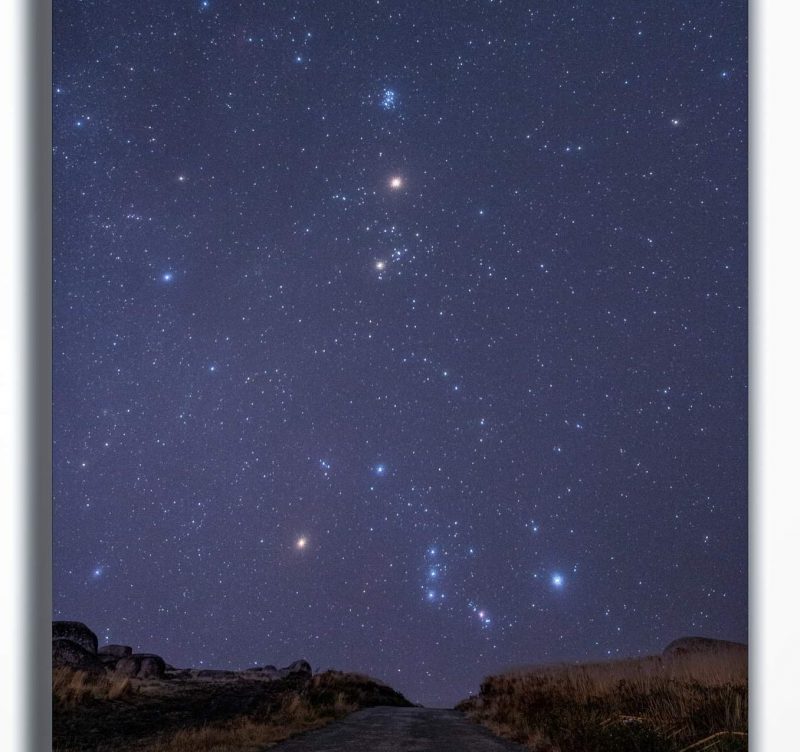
(692, 698)
(114, 699)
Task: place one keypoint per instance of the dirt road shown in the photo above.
(400, 730)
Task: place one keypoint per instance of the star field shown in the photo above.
(409, 338)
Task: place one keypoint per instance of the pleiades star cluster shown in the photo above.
(406, 337)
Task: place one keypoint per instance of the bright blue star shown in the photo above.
(167, 276)
(380, 469)
(557, 580)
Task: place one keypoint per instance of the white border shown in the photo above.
(13, 438)
(775, 369)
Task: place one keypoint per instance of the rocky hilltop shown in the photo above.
(111, 698)
(700, 645)
(75, 646)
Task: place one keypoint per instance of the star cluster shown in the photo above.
(424, 378)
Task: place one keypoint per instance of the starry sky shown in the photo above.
(406, 337)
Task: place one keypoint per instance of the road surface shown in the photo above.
(400, 730)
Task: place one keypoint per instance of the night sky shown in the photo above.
(406, 337)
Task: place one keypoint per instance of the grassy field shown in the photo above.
(686, 703)
(243, 713)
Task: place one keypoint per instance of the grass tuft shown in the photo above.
(73, 687)
(247, 733)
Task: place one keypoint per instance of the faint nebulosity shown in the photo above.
(407, 337)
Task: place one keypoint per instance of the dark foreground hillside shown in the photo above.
(692, 698)
(137, 702)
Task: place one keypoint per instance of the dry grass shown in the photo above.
(325, 698)
(348, 690)
(244, 713)
(694, 702)
(72, 687)
(247, 733)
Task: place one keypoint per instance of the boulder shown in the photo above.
(141, 666)
(76, 632)
(214, 673)
(128, 666)
(301, 667)
(687, 645)
(118, 651)
(151, 666)
(69, 653)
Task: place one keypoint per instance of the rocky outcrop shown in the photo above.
(128, 666)
(141, 666)
(74, 644)
(298, 668)
(77, 632)
(687, 645)
(109, 661)
(118, 651)
(69, 653)
(214, 673)
(151, 667)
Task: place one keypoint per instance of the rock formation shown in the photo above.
(75, 645)
(118, 651)
(69, 653)
(141, 666)
(76, 632)
(686, 645)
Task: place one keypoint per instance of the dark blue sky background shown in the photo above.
(406, 337)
